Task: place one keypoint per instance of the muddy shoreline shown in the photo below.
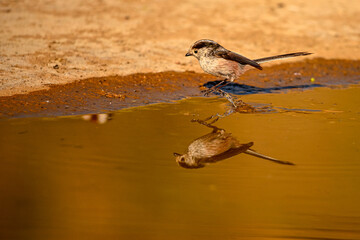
(104, 94)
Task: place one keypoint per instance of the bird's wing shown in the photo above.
(237, 58)
(211, 144)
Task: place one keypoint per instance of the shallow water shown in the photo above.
(67, 178)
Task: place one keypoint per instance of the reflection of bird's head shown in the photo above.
(185, 161)
(202, 48)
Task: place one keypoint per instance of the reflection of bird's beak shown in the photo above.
(188, 54)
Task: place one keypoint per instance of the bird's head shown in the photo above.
(185, 161)
(202, 48)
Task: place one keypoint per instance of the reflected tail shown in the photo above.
(259, 155)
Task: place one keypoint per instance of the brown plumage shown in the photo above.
(216, 146)
(218, 61)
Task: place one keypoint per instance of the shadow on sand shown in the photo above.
(243, 89)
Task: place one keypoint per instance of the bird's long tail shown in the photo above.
(259, 155)
(283, 56)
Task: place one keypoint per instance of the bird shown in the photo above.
(216, 146)
(220, 62)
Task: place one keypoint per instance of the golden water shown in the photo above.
(67, 178)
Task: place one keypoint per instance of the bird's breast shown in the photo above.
(221, 67)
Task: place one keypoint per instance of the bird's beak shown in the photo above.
(188, 54)
(177, 154)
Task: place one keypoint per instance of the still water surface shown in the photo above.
(67, 178)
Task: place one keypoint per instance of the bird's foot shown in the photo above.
(207, 91)
(208, 124)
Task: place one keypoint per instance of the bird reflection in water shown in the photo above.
(216, 146)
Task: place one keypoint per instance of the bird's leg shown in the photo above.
(227, 96)
(211, 117)
(225, 84)
(203, 122)
(217, 86)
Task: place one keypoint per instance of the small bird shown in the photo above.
(216, 146)
(218, 61)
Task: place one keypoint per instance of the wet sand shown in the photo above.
(95, 95)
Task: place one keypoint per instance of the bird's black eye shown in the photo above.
(195, 51)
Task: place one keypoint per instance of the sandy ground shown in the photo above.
(54, 42)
